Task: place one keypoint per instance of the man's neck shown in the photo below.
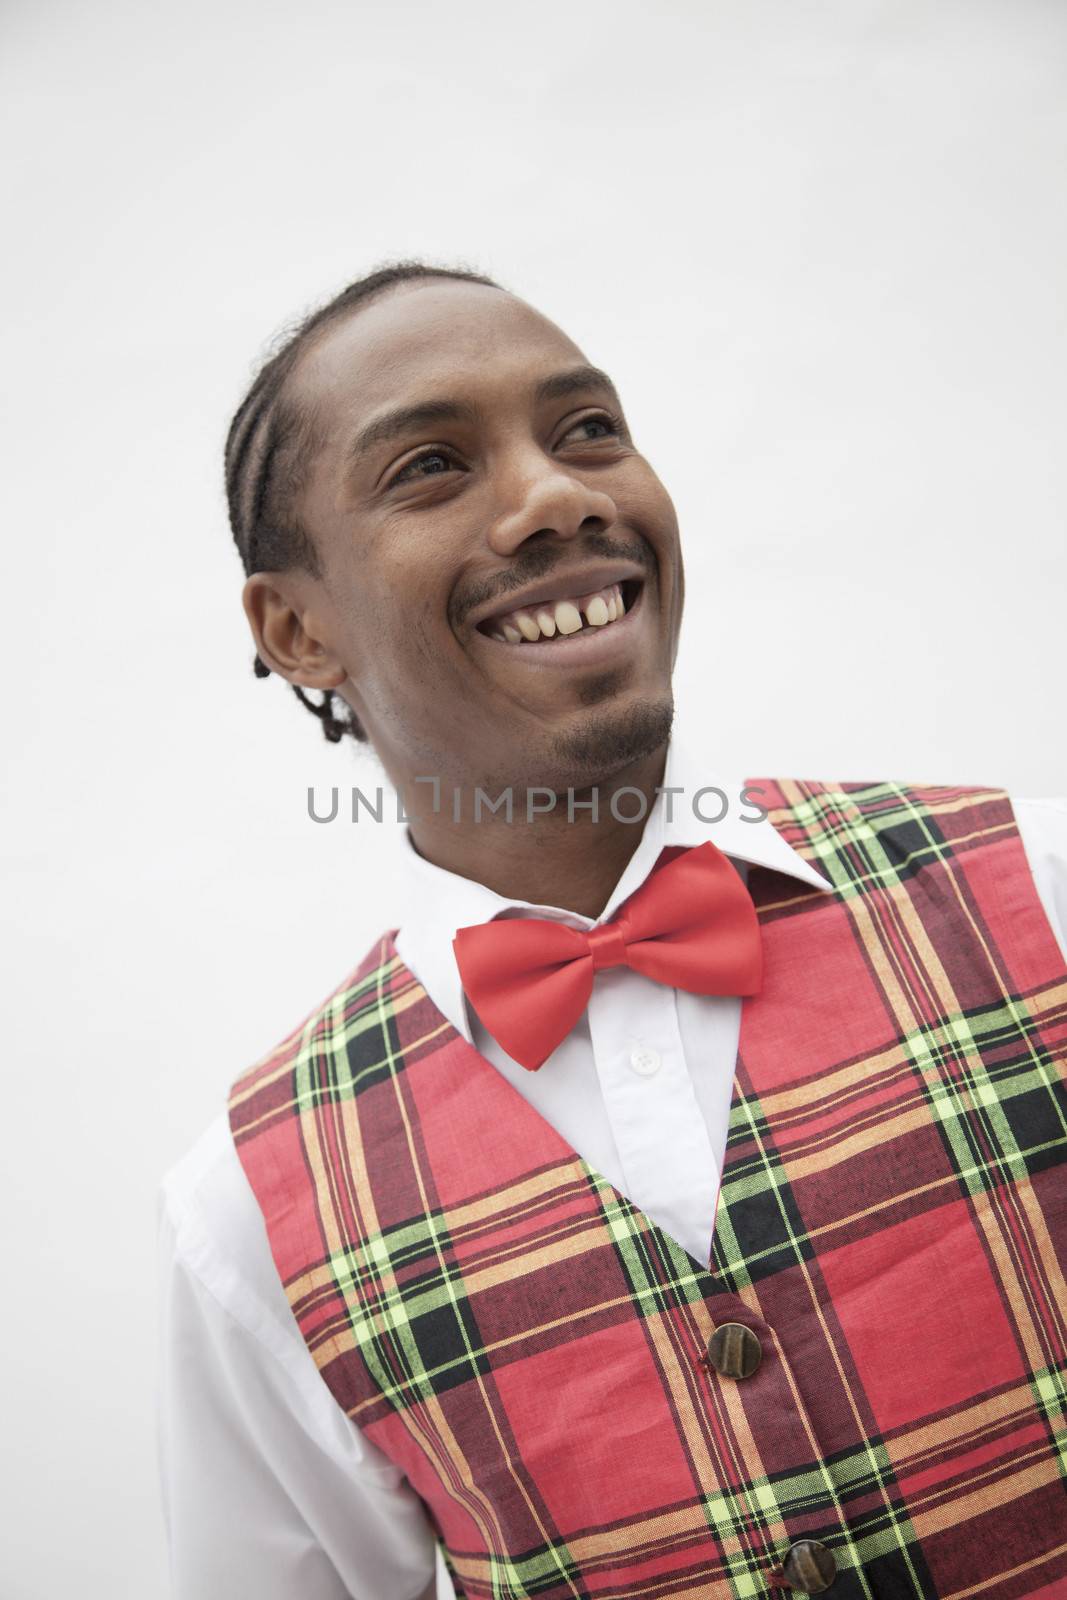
(562, 855)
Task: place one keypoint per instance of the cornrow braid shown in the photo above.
(270, 446)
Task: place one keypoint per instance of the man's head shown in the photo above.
(425, 475)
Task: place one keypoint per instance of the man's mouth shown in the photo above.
(563, 618)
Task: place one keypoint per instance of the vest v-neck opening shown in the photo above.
(596, 1179)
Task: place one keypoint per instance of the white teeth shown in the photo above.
(527, 626)
(561, 616)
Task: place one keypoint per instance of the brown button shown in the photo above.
(809, 1567)
(734, 1351)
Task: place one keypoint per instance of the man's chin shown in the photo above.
(600, 743)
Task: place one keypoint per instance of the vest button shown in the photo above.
(809, 1567)
(734, 1351)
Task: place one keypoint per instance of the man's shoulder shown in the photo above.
(211, 1222)
(209, 1205)
(213, 1231)
(359, 991)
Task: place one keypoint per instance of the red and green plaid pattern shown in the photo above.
(892, 1222)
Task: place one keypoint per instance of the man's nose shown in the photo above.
(543, 498)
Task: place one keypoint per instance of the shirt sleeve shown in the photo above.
(269, 1490)
(1043, 828)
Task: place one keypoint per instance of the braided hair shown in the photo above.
(269, 450)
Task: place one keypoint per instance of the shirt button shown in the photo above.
(644, 1060)
(809, 1567)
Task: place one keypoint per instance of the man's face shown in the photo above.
(476, 485)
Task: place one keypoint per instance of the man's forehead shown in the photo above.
(420, 339)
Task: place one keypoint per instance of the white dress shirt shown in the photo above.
(269, 1490)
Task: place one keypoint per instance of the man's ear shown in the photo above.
(286, 632)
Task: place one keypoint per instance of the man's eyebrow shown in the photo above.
(407, 419)
(562, 384)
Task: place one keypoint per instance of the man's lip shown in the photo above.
(592, 646)
(560, 586)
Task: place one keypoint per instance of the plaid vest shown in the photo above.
(533, 1352)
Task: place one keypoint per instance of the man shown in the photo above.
(674, 1206)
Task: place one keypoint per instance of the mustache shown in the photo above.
(540, 562)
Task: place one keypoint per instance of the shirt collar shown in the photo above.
(743, 831)
(692, 807)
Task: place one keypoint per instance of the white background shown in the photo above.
(823, 249)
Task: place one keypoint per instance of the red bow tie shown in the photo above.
(691, 925)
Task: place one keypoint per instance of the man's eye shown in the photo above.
(590, 428)
(430, 464)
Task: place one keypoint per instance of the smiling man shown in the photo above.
(673, 1203)
(508, 615)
